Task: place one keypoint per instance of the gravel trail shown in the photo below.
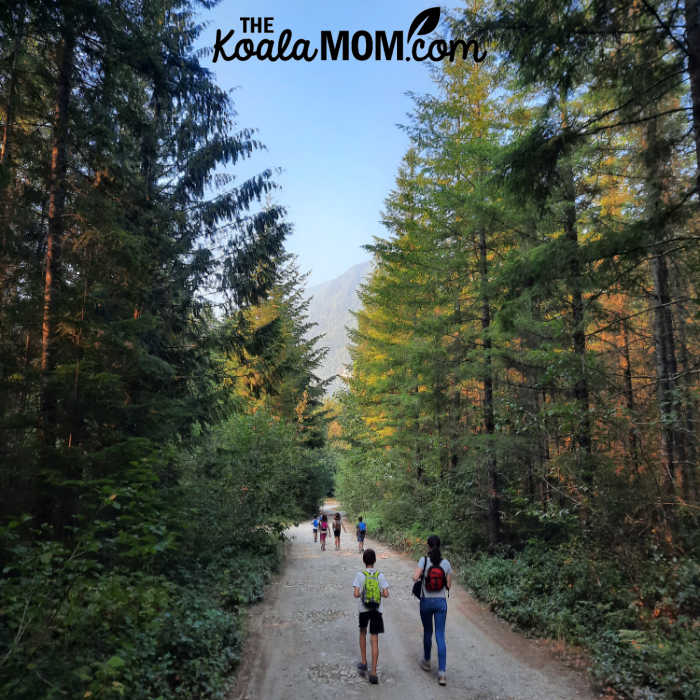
(302, 639)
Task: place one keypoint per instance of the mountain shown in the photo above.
(330, 306)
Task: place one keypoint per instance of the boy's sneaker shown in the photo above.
(373, 679)
(425, 664)
(442, 678)
(362, 669)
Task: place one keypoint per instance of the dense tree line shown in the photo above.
(142, 287)
(525, 367)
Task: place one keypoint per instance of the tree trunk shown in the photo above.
(57, 199)
(544, 451)
(11, 101)
(582, 437)
(666, 369)
(6, 198)
(689, 407)
(629, 396)
(494, 506)
(692, 34)
(656, 160)
(535, 462)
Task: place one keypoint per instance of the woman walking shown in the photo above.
(435, 574)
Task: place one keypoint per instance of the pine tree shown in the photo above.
(274, 368)
(114, 197)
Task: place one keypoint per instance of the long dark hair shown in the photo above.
(434, 547)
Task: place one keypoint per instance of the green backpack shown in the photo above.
(371, 592)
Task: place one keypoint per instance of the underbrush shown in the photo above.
(641, 629)
(72, 629)
(143, 595)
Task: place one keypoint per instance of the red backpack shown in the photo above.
(435, 579)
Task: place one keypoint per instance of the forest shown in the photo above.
(525, 364)
(524, 369)
(161, 422)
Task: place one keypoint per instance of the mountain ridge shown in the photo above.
(330, 306)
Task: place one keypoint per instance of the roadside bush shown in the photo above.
(146, 598)
(250, 472)
(70, 627)
(640, 628)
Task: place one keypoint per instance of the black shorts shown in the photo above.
(336, 533)
(360, 536)
(375, 621)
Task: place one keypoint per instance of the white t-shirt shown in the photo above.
(359, 582)
(445, 567)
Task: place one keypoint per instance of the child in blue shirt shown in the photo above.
(361, 530)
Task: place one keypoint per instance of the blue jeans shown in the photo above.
(436, 607)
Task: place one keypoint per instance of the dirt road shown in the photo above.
(303, 639)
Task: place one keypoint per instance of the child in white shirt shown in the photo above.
(369, 617)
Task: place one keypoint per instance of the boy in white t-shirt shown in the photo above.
(370, 616)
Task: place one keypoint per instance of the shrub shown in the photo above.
(146, 598)
(638, 625)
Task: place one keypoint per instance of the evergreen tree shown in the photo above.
(114, 197)
(274, 368)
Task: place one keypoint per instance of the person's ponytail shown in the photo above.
(434, 547)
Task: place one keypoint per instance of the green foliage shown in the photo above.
(152, 226)
(524, 365)
(255, 463)
(639, 625)
(275, 368)
(70, 627)
(153, 516)
(147, 598)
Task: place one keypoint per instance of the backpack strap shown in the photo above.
(422, 578)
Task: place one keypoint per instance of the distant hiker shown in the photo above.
(361, 530)
(370, 586)
(435, 573)
(337, 524)
(315, 526)
(323, 531)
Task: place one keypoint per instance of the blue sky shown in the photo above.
(331, 126)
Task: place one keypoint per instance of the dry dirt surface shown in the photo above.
(303, 638)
